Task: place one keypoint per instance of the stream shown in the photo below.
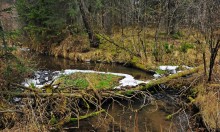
(124, 116)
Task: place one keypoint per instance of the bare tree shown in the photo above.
(208, 21)
(94, 41)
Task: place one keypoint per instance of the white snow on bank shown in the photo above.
(187, 67)
(128, 80)
(30, 82)
(156, 75)
(171, 69)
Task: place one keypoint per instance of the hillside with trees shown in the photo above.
(140, 34)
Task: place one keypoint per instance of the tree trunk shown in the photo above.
(204, 62)
(108, 22)
(172, 24)
(94, 41)
(2, 35)
(214, 52)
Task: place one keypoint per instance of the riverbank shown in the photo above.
(130, 48)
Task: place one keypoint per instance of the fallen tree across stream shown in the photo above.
(102, 93)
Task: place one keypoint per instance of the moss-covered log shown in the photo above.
(32, 94)
(166, 79)
(87, 116)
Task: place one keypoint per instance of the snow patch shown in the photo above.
(171, 69)
(157, 75)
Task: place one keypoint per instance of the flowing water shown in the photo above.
(123, 116)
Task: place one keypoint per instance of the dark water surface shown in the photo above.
(126, 118)
(122, 117)
(58, 64)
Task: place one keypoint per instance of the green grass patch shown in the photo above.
(88, 80)
(159, 71)
(185, 47)
(129, 93)
(177, 35)
(168, 48)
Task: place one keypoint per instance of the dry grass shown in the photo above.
(210, 106)
(139, 41)
(208, 100)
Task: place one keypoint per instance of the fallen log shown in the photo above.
(31, 94)
(105, 94)
(166, 79)
(25, 88)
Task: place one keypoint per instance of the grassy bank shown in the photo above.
(88, 80)
(133, 47)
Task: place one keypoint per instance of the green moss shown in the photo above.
(87, 116)
(169, 117)
(191, 99)
(129, 92)
(32, 85)
(88, 80)
(53, 120)
(136, 63)
(194, 92)
(168, 48)
(159, 71)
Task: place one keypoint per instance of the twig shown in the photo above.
(11, 111)
(23, 87)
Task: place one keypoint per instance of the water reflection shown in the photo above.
(52, 63)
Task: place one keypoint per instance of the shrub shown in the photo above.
(185, 47)
(177, 35)
(168, 48)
